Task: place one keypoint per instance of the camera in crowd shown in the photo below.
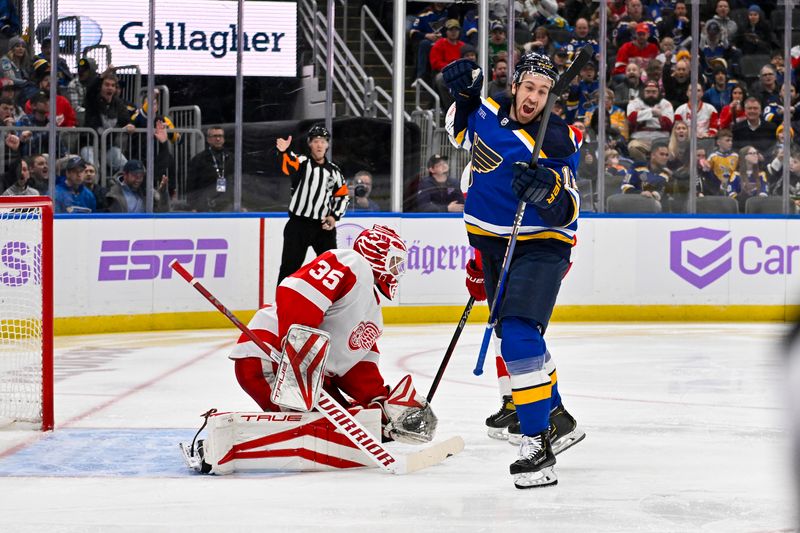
(360, 189)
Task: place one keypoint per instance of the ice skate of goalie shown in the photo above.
(308, 441)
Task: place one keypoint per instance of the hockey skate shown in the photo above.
(497, 423)
(194, 458)
(535, 467)
(564, 430)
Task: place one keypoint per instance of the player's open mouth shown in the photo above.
(527, 109)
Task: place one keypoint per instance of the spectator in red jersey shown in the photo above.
(65, 114)
(639, 50)
(445, 51)
(733, 112)
(707, 117)
(649, 118)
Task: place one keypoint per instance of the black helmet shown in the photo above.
(535, 63)
(319, 130)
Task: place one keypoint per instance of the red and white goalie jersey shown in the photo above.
(336, 293)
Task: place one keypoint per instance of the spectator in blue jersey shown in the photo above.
(651, 179)
(766, 89)
(774, 111)
(71, 195)
(580, 38)
(675, 23)
(583, 94)
(63, 74)
(719, 94)
(437, 192)
(627, 27)
(750, 179)
(499, 136)
(426, 30)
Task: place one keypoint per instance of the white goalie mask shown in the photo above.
(386, 253)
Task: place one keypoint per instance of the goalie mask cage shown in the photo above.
(26, 311)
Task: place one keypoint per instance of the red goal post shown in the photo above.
(26, 311)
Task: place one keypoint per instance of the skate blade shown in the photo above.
(531, 480)
(191, 461)
(568, 441)
(497, 433)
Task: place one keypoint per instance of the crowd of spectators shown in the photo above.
(649, 116)
(741, 69)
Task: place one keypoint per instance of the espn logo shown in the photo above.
(20, 263)
(149, 259)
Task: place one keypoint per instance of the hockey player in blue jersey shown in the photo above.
(500, 133)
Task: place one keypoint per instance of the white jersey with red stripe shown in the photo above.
(335, 293)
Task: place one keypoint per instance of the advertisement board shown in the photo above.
(119, 266)
(192, 37)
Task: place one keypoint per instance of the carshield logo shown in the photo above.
(695, 259)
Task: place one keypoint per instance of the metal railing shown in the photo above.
(358, 91)
(365, 39)
(419, 85)
(69, 140)
(101, 53)
(130, 77)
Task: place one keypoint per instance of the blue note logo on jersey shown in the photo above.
(484, 159)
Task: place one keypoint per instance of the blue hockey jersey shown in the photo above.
(496, 143)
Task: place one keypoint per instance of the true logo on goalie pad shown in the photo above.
(364, 336)
(299, 376)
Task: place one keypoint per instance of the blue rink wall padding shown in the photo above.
(145, 453)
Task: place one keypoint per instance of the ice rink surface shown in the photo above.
(686, 431)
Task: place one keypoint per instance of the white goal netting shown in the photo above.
(21, 314)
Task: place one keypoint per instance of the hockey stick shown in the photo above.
(449, 353)
(560, 86)
(339, 416)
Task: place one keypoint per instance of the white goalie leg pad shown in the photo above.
(272, 441)
(411, 419)
(300, 371)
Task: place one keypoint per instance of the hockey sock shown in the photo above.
(550, 368)
(524, 350)
(503, 381)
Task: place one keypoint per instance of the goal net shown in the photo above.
(26, 311)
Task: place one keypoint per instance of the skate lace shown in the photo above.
(530, 446)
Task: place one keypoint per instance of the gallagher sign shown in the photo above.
(192, 37)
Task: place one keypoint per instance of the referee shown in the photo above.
(319, 199)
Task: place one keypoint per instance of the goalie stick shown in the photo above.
(339, 416)
(560, 86)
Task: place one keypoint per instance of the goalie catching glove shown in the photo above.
(407, 416)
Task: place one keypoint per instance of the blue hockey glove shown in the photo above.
(536, 185)
(463, 78)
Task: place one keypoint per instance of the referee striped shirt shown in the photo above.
(318, 190)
